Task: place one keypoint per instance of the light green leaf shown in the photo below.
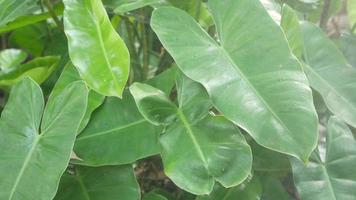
(153, 104)
(38, 69)
(351, 11)
(31, 19)
(11, 58)
(100, 183)
(70, 75)
(290, 26)
(96, 50)
(250, 73)
(329, 73)
(213, 146)
(249, 190)
(12, 9)
(35, 149)
(347, 44)
(332, 177)
(116, 134)
(130, 5)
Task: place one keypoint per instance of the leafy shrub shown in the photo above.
(177, 99)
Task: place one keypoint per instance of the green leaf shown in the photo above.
(224, 157)
(31, 38)
(12, 9)
(11, 58)
(38, 69)
(164, 81)
(329, 73)
(116, 134)
(273, 189)
(100, 183)
(290, 26)
(333, 176)
(31, 19)
(96, 50)
(35, 149)
(130, 5)
(153, 104)
(250, 75)
(351, 11)
(154, 196)
(249, 190)
(347, 44)
(70, 75)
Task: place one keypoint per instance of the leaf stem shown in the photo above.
(49, 6)
(324, 14)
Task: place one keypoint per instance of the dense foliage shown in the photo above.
(177, 99)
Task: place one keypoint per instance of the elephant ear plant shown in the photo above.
(177, 100)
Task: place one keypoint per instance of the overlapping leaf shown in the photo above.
(35, 149)
(197, 148)
(12, 9)
(38, 69)
(329, 73)
(117, 134)
(100, 183)
(332, 177)
(249, 73)
(96, 50)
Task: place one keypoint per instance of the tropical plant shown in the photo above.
(177, 99)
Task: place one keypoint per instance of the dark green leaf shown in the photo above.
(100, 183)
(117, 134)
(35, 149)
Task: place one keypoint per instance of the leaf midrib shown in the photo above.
(251, 86)
(24, 165)
(328, 180)
(101, 133)
(102, 47)
(192, 136)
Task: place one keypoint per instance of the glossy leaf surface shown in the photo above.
(70, 75)
(96, 50)
(11, 58)
(100, 183)
(11, 9)
(196, 152)
(329, 73)
(332, 177)
(250, 74)
(290, 26)
(117, 134)
(35, 149)
(38, 69)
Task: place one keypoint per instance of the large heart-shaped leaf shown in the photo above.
(11, 9)
(117, 134)
(70, 75)
(329, 73)
(332, 177)
(250, 73)
(100, 183)
(35, 149)
(197, 148)
(95, 48)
